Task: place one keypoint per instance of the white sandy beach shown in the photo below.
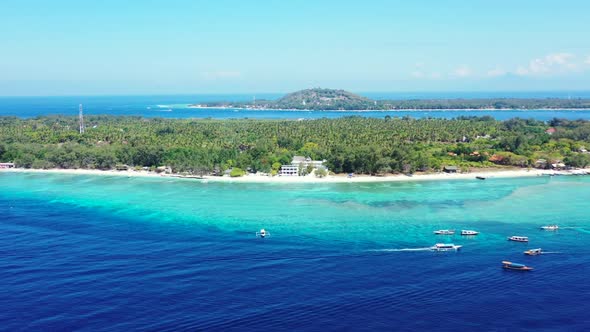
(489, 174)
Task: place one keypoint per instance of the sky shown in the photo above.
(62, 47)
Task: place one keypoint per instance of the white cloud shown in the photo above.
(549, 64)
(422, 74)
(463, 71)
(587, 60)
(522, 71)
(418, 74)
(221, 75)
(496, 72)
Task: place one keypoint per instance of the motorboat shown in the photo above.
(518, 238)
(445, 232)
(533, 252)
(468, 232)
(262, 233)
(550, 227)
(515, 266)
(445, 247)
(480, 177)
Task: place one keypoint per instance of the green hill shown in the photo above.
(326, 99)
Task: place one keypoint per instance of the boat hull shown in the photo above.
(515, 266)
(444, 232)
(533, 252)
(526, 268)
(518, 239)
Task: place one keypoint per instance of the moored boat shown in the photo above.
(533, 252)
(445, 247)
(445, 232)
(550, 227)
(515, 266)
(468, 232)
(480, 177)
(518, 238)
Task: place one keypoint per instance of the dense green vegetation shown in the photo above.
(329, 99)
(352, 144)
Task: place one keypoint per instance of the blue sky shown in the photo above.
(63, 47)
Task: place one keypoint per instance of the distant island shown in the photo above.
(339, 100)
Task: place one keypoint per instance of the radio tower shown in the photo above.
(81, 119)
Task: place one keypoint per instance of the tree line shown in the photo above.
(349, 145)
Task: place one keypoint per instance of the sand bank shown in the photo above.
(488, 174)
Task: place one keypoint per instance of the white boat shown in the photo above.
(518, 238)
(468, 232)
(262, 233)
(445, 232)
(533, 252)
(445, 247)
(550, 227)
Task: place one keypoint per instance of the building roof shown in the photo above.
(297, 159)
(451, 168)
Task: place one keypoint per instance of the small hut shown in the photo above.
(450, 169)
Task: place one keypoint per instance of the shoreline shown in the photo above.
(389, 110)
(488, 174)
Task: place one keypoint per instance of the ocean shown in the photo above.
(107, 253)
(177, 106)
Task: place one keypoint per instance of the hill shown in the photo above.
(326, 99)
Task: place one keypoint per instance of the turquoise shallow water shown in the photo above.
(116, 253)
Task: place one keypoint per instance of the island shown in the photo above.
(285, 148)
(318, 99)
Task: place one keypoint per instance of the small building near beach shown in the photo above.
(541, 163)
(450, 169)
(300, 163)
(306, 161)
(289, 170)
(558, 165)
(6, 165)
(122, 167)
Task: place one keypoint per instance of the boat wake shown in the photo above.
(403, 249)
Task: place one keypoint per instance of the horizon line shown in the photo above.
(277, 93)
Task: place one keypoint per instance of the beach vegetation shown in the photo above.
(348, 145)
(237, 172)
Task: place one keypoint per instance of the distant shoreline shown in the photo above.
(388, 110)
(342, 178)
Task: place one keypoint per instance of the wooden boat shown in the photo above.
(515, 266)
(445, 232)
(480, 177)
(445, 247)
(518, 238)
(533, 252)
(468, 232)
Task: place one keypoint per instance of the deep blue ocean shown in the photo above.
(100, 253)
(176, 106)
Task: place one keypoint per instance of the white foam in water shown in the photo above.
(403, 249)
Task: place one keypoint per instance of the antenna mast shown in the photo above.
(81, 116)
